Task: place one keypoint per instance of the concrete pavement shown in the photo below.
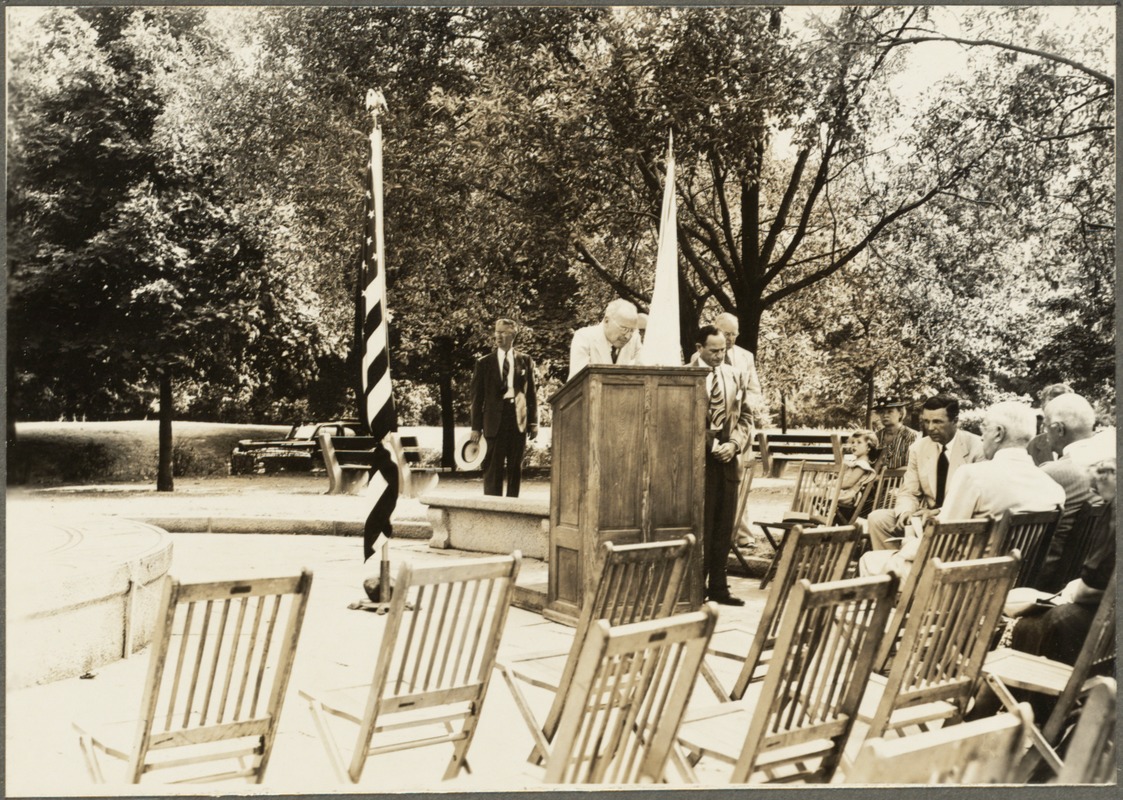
(337, 647)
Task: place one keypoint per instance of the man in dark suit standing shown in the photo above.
(729, 429)
(504, 409)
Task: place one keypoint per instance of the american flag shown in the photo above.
(373, 334)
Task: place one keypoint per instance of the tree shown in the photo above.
(129, 269)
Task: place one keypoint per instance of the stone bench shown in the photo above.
(486, 524)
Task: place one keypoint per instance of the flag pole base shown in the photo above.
(377, 608)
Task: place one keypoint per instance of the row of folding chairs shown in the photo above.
(222, 654)
(933, 651)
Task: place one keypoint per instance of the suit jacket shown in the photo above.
(488, 389)
(738, 427)
(742, 359)
(918, 490)
(590, 347)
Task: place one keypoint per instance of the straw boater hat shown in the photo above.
(470, 455)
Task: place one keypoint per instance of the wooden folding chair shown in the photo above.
(817, 555)
(433, 666)
(947, 635)
(982, 751)
(1030, 533)
(949, 542)
(879, 493)
(1091, 524)
(637, 582)
(628, 695)
(1006, 669)
(222, 654)
(815, 503)
(1091, 750)
(795, 727)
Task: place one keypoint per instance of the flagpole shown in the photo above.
(376, 401)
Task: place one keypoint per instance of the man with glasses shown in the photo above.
(1005, 480)
(613, 341)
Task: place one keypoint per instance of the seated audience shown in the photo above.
(1039, 448)
(933, 462)
(895, 437)
(1007, 480)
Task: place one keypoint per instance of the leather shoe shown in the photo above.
(727, 600)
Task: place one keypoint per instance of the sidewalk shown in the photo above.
(337, 647)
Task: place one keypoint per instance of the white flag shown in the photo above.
(661, 345)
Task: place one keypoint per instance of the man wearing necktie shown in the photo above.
(729, 430)
(933, 461)
(613, 341)
(504, 409)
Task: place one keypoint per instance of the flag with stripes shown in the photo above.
(661, 344)
(373, 333)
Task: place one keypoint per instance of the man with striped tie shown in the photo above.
(729, 429)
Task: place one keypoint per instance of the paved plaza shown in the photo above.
(337, 646)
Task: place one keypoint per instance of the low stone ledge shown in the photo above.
(405, 529)
(489, 524)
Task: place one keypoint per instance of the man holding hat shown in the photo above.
(894, 437)
(504, 409)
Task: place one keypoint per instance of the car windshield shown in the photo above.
(304, 432)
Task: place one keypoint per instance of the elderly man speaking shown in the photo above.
(1007, 480)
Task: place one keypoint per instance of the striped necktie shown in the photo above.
(717, 401)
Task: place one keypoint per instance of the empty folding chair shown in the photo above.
(222, 654)
(433, 668)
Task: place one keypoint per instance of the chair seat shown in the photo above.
(543, 670)
(1018, 670)
(115, 738)
(919, 714)
(718, 732)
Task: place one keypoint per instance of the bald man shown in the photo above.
(613, 341)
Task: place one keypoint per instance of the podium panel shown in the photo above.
(628, 466)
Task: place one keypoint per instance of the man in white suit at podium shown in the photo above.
(612, 341)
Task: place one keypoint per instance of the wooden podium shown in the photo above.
(628, 465)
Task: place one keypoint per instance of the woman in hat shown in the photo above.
(895, 437)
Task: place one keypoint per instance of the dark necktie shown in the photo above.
(717, 401)
(941, 477)
(615, 353)
(505, 371)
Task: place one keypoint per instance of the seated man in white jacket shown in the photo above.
(1007, 480)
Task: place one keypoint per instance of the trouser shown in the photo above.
(722, 486)
(882, 525)
(505, 455)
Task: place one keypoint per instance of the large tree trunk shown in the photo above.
(164, 481)
(448, 417)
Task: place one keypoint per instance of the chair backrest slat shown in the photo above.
(953, 617)
(888, 483)
(951, 541)
(983, 751)
(816, 492)
(823, 660)
(636, 583)
(190, 705)
(1030, 533)
(817, 555)
(632, 683)
(1090, 527)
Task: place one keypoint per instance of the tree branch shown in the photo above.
(1103, 78)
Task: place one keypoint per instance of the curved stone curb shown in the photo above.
(406, 529)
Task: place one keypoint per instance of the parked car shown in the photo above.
(299, 451)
